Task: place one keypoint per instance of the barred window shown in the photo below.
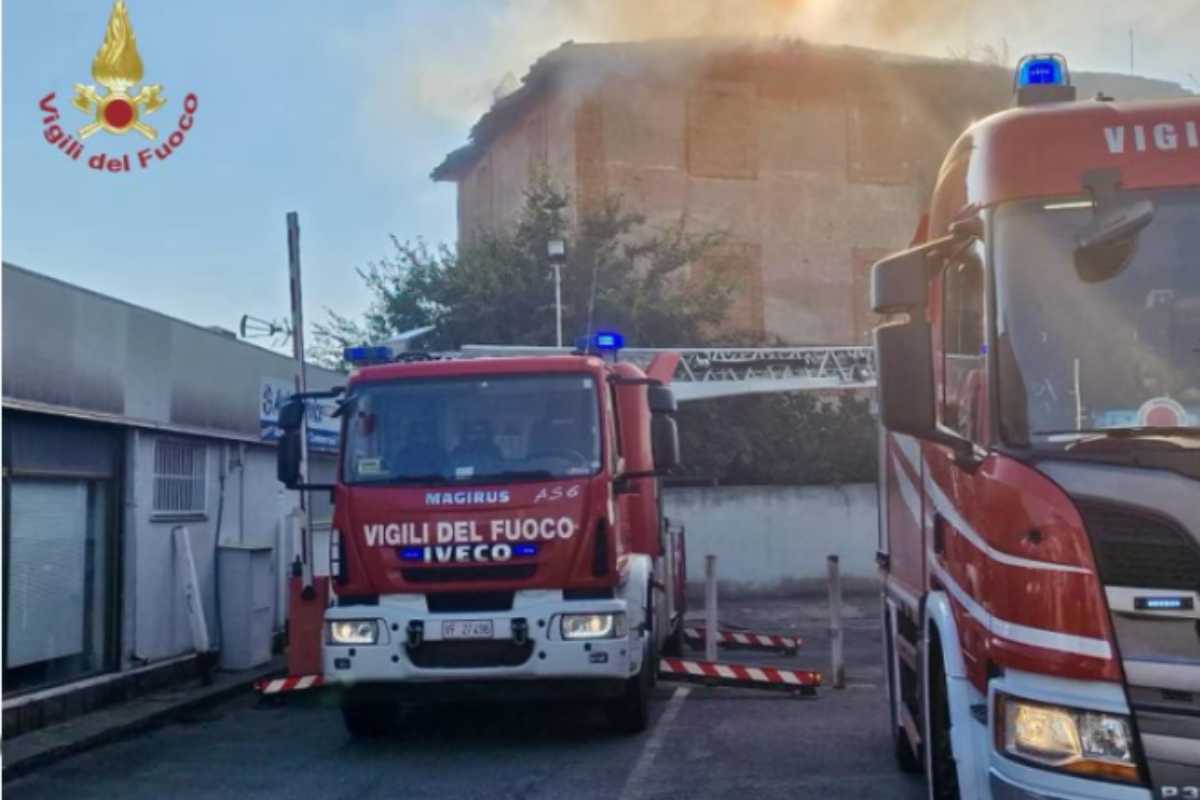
(179, 476)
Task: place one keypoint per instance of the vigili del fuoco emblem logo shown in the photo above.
(115, 108)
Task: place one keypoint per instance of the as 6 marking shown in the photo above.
(558, 492)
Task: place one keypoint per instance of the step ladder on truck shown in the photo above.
(1039, 394)
(497, 531)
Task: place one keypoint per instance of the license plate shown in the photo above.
(467, 629)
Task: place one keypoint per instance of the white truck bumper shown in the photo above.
(526, 643)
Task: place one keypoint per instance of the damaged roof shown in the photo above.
(771, 59)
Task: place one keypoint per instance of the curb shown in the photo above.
(42, 754)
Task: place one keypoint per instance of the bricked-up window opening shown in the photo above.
(880, 142)
(179, 476)
(739, 265)
(722, 132)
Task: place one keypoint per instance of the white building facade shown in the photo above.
(121, 424)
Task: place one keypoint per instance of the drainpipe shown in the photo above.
(241, 493)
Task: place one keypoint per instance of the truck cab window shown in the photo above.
(964, 381)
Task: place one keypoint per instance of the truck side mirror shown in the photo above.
(661, 399)
(904, 363)
(664, 442)
(287, 457)
(900, 282)
(291, 414)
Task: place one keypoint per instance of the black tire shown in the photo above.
(366, 717)
(906, 758)
(943, 771)
(674, 644)
(630, 713)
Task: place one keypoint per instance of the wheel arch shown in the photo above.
(938, 622)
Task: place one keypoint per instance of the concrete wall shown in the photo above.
(775, 539)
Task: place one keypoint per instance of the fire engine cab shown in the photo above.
(498, 532)
(1039, 394)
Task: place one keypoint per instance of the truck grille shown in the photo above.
(456, 602)
(492, 572)
(464, 655)
(1141, 549)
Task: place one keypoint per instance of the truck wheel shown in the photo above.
(366, 718)
(673, 646)
(942, 769)
(630, 713)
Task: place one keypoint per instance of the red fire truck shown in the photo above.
(1039, 393)
(497, 531)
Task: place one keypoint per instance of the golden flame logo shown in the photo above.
(117, 66)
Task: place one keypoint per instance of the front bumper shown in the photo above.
(526, 644)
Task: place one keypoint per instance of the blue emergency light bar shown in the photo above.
(524, 549)
(1043, 71)
(412, 553)
(368, 354)
(608, 340)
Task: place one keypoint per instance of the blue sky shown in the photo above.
(339, 111)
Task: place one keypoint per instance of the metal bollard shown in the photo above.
(710, 608)
(669, 574)
(838, 664)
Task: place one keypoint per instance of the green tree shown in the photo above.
(793, 438)
(499, 289)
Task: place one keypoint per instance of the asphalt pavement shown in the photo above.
(704, 742)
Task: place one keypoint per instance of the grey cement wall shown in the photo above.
(774, 539)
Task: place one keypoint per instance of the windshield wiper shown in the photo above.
(1142, 433)
(1130, 432)
(407, 479)
(506, 477)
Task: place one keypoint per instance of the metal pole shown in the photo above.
(837, 665)
(710, 608)
(558, 300)
(293, 246)
(669, 572)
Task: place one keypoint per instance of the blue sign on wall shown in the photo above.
(323, 427)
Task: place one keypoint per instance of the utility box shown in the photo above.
(246, 582)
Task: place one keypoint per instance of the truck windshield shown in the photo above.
(479, 429)
(1079, 349)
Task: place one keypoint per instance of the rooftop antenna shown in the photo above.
(279, 332)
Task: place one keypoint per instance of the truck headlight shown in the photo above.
(353, 631)
(593, 626)
(1088, 743)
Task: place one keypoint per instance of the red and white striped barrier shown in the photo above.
(292, 683)
(802, 680)
(746, 640)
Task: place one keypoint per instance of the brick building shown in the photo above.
(815, 160)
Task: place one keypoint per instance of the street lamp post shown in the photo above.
(556, 251)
